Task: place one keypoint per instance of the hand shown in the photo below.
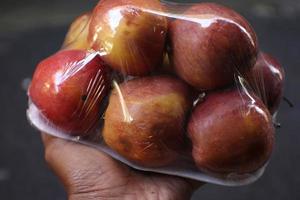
(87, 173)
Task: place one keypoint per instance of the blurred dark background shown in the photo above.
(31, 30)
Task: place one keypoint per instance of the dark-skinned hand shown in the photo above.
(87, 174)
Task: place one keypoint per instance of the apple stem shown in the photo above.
(277, 125)
(288, 102)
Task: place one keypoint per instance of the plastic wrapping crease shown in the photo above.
(163, 87)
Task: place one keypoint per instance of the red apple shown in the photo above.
(68, 88)
(76, 37)
(131, 37)
(210, 44)
(145, 120)
(231, 132)
(267, 80)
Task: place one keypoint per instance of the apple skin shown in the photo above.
(208, 53)
(231, 133)
(267, 81)
(77, 35)
(68, 88)
(132, 39)
(149, 129)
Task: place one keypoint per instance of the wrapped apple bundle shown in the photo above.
(176, 89)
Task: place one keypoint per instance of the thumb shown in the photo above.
(81, 169)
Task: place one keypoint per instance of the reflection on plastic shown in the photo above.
(178, 89)
(126, 114)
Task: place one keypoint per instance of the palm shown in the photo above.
(89, 174)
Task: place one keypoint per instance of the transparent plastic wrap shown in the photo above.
(178, 89)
